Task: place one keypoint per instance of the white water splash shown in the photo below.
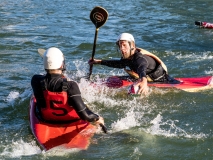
(130, 113)
(132, 110)
(20, 148)
(12, 97)
(191, 56)
(170, 129)
(82, 68)
(26, 94)
(137, 151)
(88, 90)
(59, 151)
(129, 121)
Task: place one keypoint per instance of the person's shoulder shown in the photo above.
(37, 77)
(138, 54)
(73, 87)
(141, 53)
(72, 82)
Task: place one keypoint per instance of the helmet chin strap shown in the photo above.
(63, 66)
(131, 49)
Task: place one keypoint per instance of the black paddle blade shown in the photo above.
(198, 23)
(98, 16)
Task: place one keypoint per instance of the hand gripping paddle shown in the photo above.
(98, 16)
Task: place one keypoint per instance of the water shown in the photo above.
(167, 124)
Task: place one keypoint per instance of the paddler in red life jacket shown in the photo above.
(58, 98)
(144, 66)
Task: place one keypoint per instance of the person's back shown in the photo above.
(59, 99)
(52, 92)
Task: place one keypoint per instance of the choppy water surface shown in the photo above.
(167, 124)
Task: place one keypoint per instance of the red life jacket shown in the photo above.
(57, 108)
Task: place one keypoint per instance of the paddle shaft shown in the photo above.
(104, 129)
(93, 51)
(98, 16)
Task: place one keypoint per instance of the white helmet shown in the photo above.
(53, 59)
(125, 37)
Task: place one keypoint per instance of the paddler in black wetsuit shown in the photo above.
(58, 98)
(144, 66)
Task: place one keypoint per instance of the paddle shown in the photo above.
(98, 16)
(104, 128)
(41, 52)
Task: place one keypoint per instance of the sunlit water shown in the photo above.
(166, 124)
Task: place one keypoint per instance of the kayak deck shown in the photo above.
(193, 84)
(68, 135)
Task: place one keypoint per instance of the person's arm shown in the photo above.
(142, 65)
(81, 109)
(115, 63)
(37, 90)
(143, 87)
(110, 63)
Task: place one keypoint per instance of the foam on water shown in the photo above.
(104, 95)
(199, 56)
(81, 67)
(26, 94)
(13, 95)
(59, 151)
(168, 128)
(20, 148)
(130, 120)
(133, 112)
(209, 72)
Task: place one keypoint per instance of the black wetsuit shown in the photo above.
(141, 64)
(54, 84)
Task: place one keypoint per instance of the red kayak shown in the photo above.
(187, 84)
(204, 24)
(67, 135)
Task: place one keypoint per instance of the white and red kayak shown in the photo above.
(67, 135)
(204, 24)
(187, 84)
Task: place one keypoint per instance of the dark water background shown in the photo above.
(168, 124)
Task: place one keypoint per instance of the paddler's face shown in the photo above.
(125, 49)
